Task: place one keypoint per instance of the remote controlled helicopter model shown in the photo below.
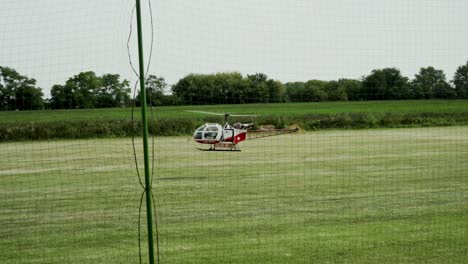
(227, 137)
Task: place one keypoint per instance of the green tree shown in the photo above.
(258, 91)
(84, 87)
(353, 89)
(112, 92)
(18, 91)
(196, 89)
(431, 83)
(277, 91)
(61, 97)
(180, 89)
(460, 80)
(336, 91)
(228, 88)
(385, 84)
(87, 90)
(315, 91)
(224, 87)
(295, 91)
(310, 91)
(79, 91)
(154, 91)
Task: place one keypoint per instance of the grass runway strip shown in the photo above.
(336, 196)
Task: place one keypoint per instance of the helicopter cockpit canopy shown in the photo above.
(208, 132)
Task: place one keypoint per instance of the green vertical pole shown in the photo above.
(149, 208)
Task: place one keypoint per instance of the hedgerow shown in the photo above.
(71, 129)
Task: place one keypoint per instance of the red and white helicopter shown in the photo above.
(227, 137)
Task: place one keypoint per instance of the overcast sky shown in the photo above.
(293, 40)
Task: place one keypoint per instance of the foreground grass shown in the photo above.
(283, 109)
(356, 196)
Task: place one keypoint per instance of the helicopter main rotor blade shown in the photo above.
(204, 112)
(243, 115)
(212, 113)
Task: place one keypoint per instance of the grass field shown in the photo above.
(286, 109)
(336, 196)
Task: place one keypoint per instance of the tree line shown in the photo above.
(383, 84)
(88, 90)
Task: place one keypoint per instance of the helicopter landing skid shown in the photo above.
(222, 147)
(219, 149)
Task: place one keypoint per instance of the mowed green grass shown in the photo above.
(284, 109)
(354, 196)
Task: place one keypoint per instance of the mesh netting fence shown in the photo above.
(280, 131)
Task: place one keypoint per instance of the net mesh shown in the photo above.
(356, 148)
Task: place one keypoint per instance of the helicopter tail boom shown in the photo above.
(262, 133)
